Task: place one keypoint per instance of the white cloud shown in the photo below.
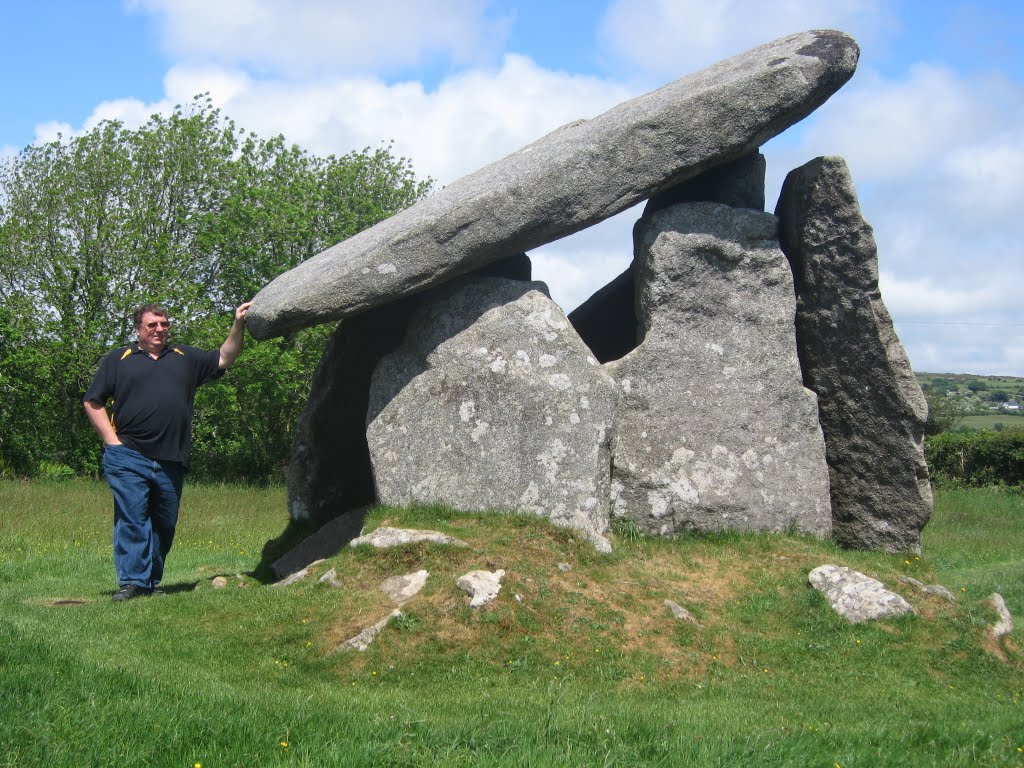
(938, 160)
(895, 128)
(926, 297)
(470, 120)
(670, 38)
(989, 178)
(313, 36)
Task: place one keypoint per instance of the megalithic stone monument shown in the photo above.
(566, 181)
(870, 405)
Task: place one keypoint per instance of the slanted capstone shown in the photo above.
(585, 171)
(871, 407)
(714, 429)
(607, 320)
(493, 402)
(857, 597)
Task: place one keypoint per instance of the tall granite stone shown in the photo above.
(566, 181)
(871, 407)
(493, 402)
(714, 429)
(607, 320)
(329, 473)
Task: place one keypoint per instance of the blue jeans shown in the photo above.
(146, 496)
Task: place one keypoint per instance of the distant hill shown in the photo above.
(969, 401)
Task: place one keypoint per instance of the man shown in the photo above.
(147, 438)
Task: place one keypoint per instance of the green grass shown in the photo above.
(588, 668)
(989, 421)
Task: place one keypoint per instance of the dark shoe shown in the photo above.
(130, 591)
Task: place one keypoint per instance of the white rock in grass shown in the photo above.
(681, 613)
(930, 589)
(297, 576)
(362, 641)
(402, 588)
(385, 537)
(481, 586)
(857, 597)
(1005, 624)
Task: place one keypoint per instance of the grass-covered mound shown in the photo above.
(588, 667)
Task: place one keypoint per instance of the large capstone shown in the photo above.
(493, 402)
(714, 429)
(871, 406)
(570, 179)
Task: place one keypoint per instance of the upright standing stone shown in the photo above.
(714, 429)
(871, 406)
(607, 320)
(566, 181)
(493, 402)
(329, 473)
(739, 184)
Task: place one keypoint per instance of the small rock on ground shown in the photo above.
(385, 536)
(857, 597)
(363, 640)
(681, 613)
(482, 586)
(402, 588)
(1005, 624)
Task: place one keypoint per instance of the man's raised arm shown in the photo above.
(232, 346)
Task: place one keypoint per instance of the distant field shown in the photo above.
(989, 421)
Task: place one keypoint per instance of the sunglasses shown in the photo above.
(158, 324)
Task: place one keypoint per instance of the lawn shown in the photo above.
(574, 665)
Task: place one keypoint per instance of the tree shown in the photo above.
(944, 413)
(187, 210)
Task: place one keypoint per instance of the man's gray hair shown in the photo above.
(153, 309)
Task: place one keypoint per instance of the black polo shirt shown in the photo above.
(153, 399)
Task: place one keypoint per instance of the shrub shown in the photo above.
(52, 470)
(978, 458)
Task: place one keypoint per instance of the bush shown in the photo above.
(977, 458)
(52, 470)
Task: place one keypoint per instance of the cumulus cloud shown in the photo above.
(669, 38)
(314, 36)
(469, 120)
(893, 127)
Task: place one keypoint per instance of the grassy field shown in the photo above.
(989, 421)
(585, 667)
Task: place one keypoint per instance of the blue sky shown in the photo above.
(932, 124)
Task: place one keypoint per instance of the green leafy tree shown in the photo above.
(944, 413)
(193, 212)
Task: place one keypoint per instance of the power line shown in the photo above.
(958, 322)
